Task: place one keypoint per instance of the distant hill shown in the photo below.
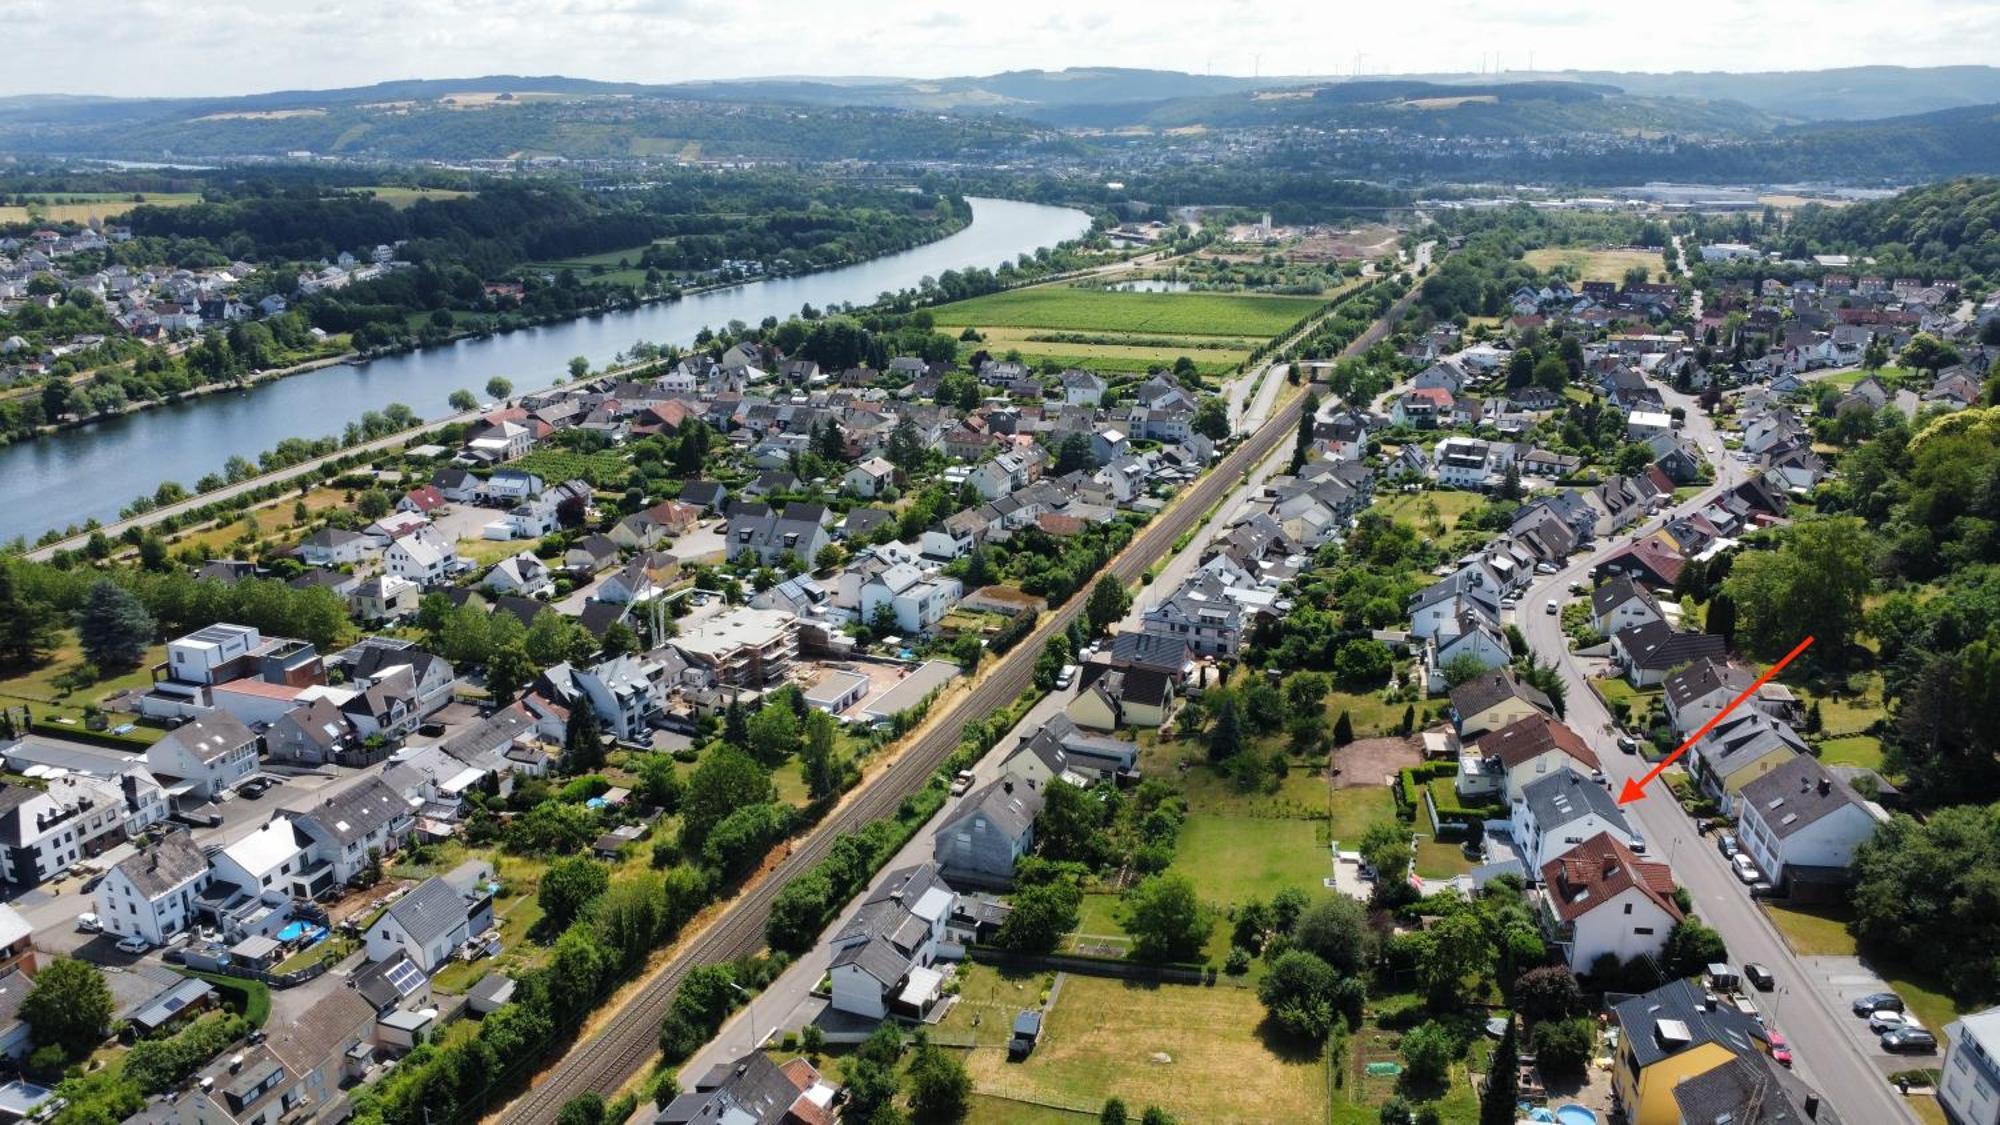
(1852, 93)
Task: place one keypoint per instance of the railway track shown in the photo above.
(628, 1041)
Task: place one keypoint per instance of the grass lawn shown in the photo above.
(1361, 1095)
(1617, 690)
(1440, 859)
(1845, 713)
(269, 520)
(1813, 933)
(1416, 509)
(1371, 715)
(989, 1110)
(1107, 1037)
(1927, 1109)
(1357, 810)
(401, 197)
(1855, 750)
(1088, 310)
(37, 685)
(1234, 859)
(1597, 265)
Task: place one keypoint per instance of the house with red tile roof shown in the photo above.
(1599, 897)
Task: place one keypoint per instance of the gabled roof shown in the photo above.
(1704, 678)
(1568, 796)
(1599, 870)
(432, 909)
(1751, 1089)
(1679, 1016)
(352, 812)
(1523, 740)
(1656, 645)
(1009, 804)
(1491, 688)
(166, 866)
(1797, 795)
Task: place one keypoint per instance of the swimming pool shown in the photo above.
(1575, 1115)
(293, 931)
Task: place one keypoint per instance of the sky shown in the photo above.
(181, 48)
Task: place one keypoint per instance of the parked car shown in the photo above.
(1726, 844)
(1909, 1040)
(255, 787)
(1759, 976)
(134, 945)
(1545, 568)
(1877, 1002)
(1886, 1020)
(1628, 744)
(88, 923)
(961, 782)
(1746, 869)
(1781, 1049)
(1065, 677)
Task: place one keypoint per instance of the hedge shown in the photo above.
(250, 997)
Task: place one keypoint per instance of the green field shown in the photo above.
(83, 206)
(1597, 265)
(1235, 859)
(1419, 509)
(1099, 310)
(401, 197)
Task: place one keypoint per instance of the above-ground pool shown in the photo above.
(293, 931)
(1575, 1115)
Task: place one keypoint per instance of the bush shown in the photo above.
(1429, 1049)
(1564, 1046)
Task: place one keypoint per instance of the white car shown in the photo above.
(134, 945)
(1746, 868)
(1889, 1021)
(1549, 607)
(88, 923)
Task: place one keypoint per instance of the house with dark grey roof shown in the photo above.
(1560, 811)
(1109, 698)
(347, 821)
(1062, 749)
(754, 1090)
(1744, 746)
(1753, 1089)
(1673, 1034)
(1800, 820)
(1621, 603)
(1493, 699)
(988, 832)
(152, 893)
(883, 957)
(430, 923)
(1649, 651)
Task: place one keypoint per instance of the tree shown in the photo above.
(27, 627)
(1456, 947)
(509, 671)
(1409, 722)
(1042, 915)
(659, 782)
(583, 741)
(1299, 994)
(1113, 1112)
(1343, 730)
(1303, 446)
(1334, 928)
(1050, 662)
(569, 885)
(726, 780)
(1211, 418)
(774, 733)
(1498, 1105)
(1564, 1046)
(1363, 663)
(1074, 455)
(584, 1109)
(940, 1089)
(462, 401)
(579, 366)
(69, 1005)
(114, 627)
(1070, 825)
(735, 728)
(1721, 618)
(1109, 601)
(1547, 993)
(1691, 948)
(1929, 354)
(498, 387)
(1428, 1049)
(1166, 919)
(1225, 735)
(822, 773)
(1815, 584)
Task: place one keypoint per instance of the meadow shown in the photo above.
(82, 207)
(1083, 310)
(1597, 265)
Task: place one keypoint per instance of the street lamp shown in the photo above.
(749, 1011)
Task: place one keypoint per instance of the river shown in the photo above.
(93, 471)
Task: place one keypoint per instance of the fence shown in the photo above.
(1092, 966)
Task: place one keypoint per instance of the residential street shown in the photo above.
(1803, 1006)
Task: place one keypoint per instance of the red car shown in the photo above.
(1781, 1051)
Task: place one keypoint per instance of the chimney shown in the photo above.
(1825, 786)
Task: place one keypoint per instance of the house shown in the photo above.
(630, 583)
(769, 537)
(1063, 750)
(424, 500)
(274, 859)
(1200, 614)
(1798, 820)
(916, 602)
(1622, 603)
(1522, 752)
(651, 526)
(1470, 640)
(1108, 698)
(349, 822)
(754, 1090)
(1694, 695)
(1970, 1086)
(311, 734)
(386, 597)
(1599, 898)
(626, 692)
(869, 478)
(295, 1075)
(1672, 1034)
(988, 832)
(882, 957)
(591, 554)
(210, 753)
(1492, 700)
(1554, 814)
(521, 575)
(334, 546)
(431, 922)
(1647, 653)
(1752, 1089)
(422, 557)
(1082, 388)
(152, 894)
(1654, 560)
(1744, 746)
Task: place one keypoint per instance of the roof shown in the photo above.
(353, 812)
(1599, 870)
(166, 866)
(1010, 804)
(432, 909)
(321, 1029)
(1704, 678)
(1488, 689)
(752, 1090)
(1616, 592)
(1655, 644)
(162, 1008)
(1751, 1090)
(209, 737)
(267, 848)
(1528, 738)
(1569, 796)
(1678, 1016)
(1797, 795)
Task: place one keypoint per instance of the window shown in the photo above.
(1645, 931)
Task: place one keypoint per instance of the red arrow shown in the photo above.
(1634, 790)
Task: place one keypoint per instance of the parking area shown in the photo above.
(1844, 980)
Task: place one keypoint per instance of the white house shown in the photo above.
(1970, 1087)
(211, 753)
(1560, 811)
(345, 822)
(151, 894)
(918, 603)
(1526, 751)
(432, 921)
(272, 860)
(1620, 604)
(424, 557)
(523, 575)
(1600, 898)
(1800, 816)
(870, 477)
(625, 692)
(882, 958)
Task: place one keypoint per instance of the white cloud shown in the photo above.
(168, 47)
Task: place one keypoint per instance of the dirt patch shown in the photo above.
(1367, 761)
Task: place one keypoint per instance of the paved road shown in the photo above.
(1828, 1052)
(627, 1041)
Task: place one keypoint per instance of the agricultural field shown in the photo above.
(1597, 265)
(81, 207)
(603, 468)
(615, 267)
(402, 197)
(1194, 1051)
(1128, 332)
